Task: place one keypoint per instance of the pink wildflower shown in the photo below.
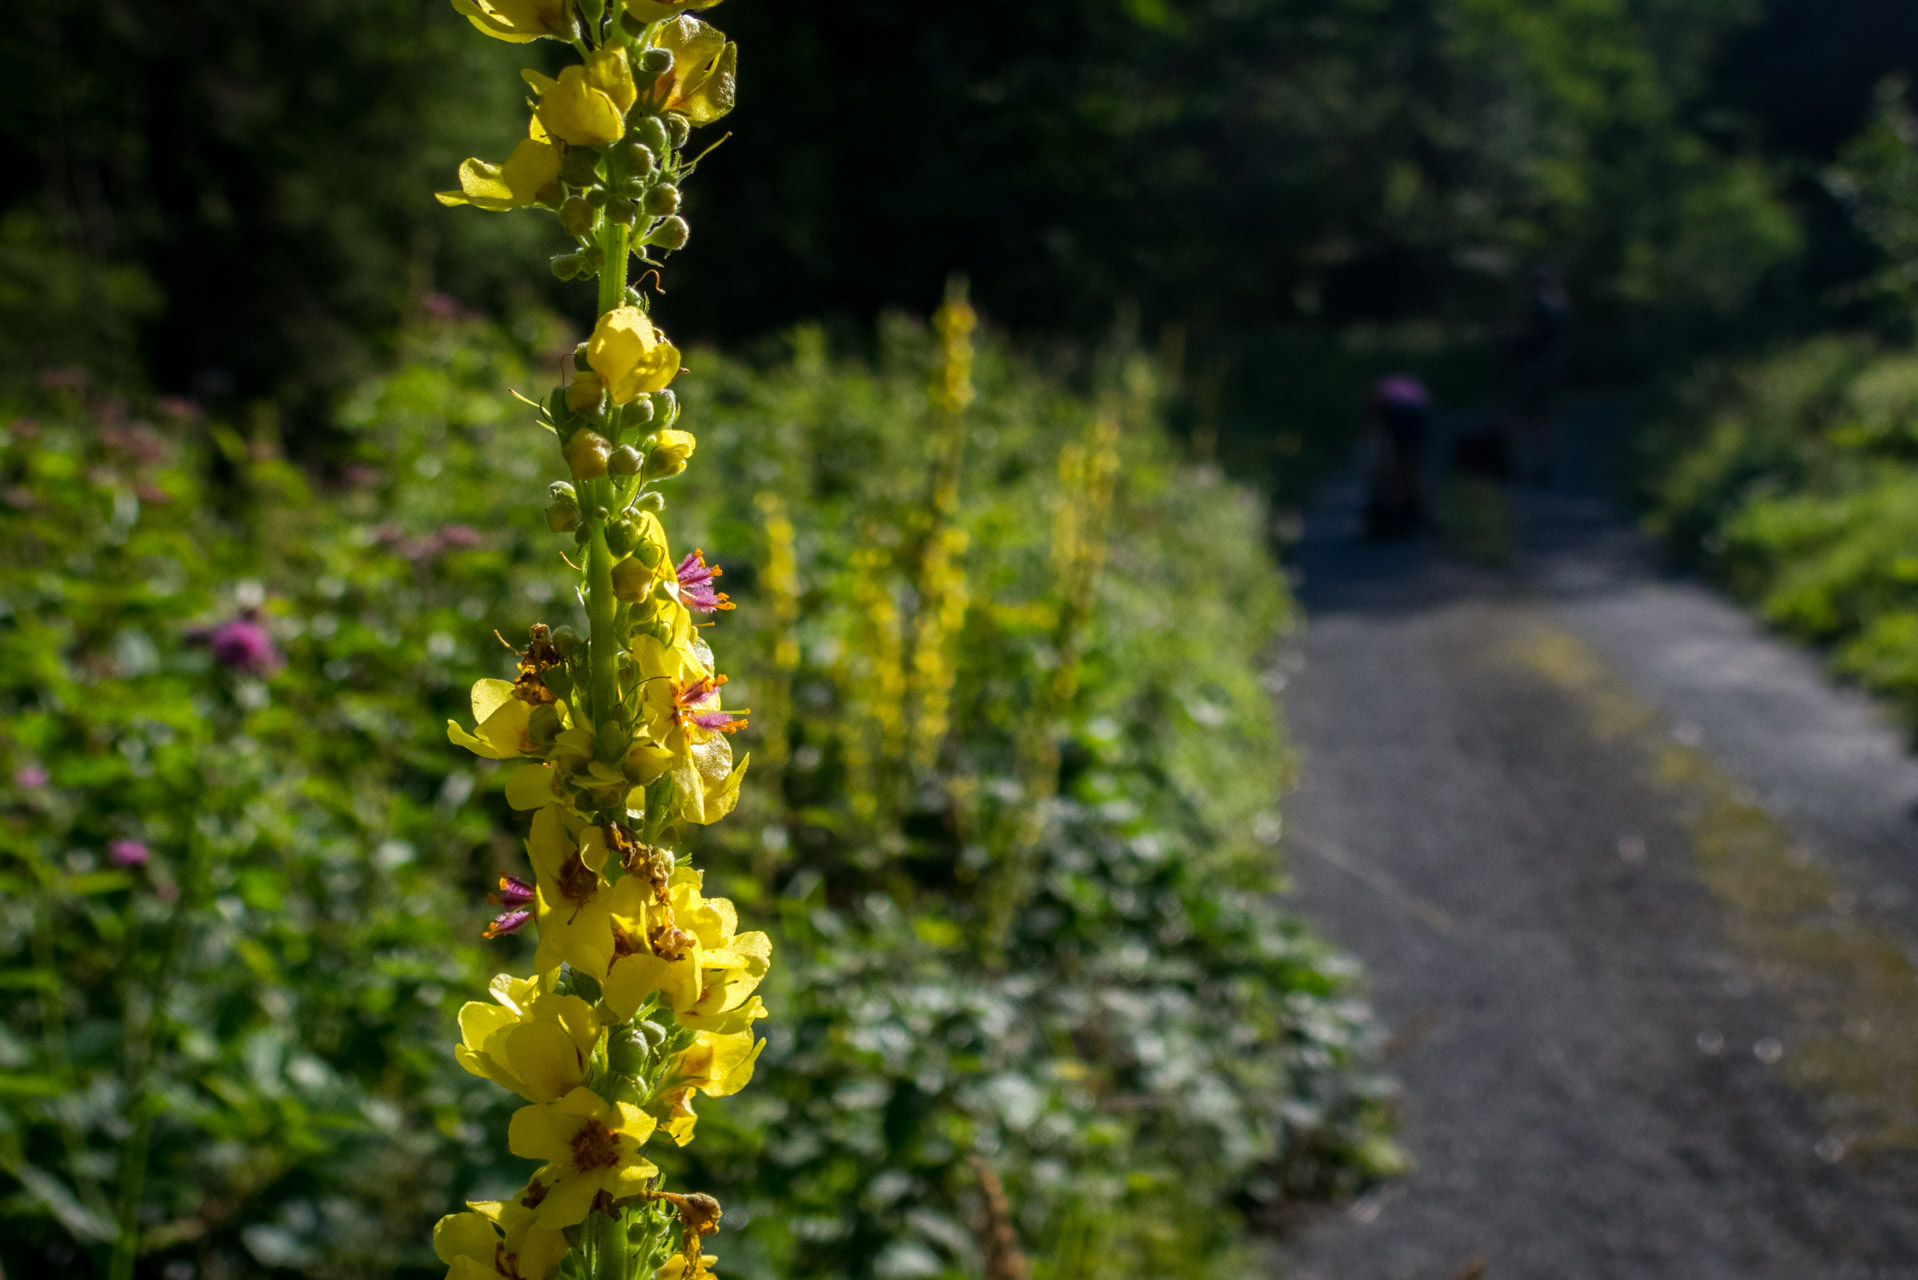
(128, 853)
(242, 644)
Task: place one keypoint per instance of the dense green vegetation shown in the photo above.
(1794, 476)
(256, 1009)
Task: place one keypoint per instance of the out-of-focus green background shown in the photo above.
(249, 369)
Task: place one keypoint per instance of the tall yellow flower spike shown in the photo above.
(645, 990)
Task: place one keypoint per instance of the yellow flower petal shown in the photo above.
(630, 355)
(610, 72)
(577, 113)
(515, 21)
(464, 1235)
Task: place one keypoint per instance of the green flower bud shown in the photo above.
(662, 200)
(640, 410)
(651, 1032)
(583, 534)
(649, 554)
(624, 462)
(579, 358)
(562, 517)
(560, 491)
(650, 502)
(580, 168)
(632, 189)
(678, 128)
(622, 211)
(577, 216)
(543, 726)
(621, 536)
(654, 63)
(550, 195)
(627, 1051)
(651, 134)
(567, 642)
(671, 234)
(569, 266)
(596, 197)
(666, 405)
(661, 631)
(632, 581)
(640, 158)
(586, 394)
(586, 454)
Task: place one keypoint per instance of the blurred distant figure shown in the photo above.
(1401, 416)
(1538, 358)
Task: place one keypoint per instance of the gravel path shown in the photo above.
(1610, 1031)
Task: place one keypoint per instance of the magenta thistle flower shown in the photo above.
(507, 922)
(128, 853)
(696, 584)
(243, 645)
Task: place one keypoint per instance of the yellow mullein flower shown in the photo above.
(537, 1045)
(611, 72)
(575, 926)
(705, 66)
(654, 10)
(630, 355)
(496, 1238)
(717, 1066)
(575, 110)
(516, 21)
(726, 1004)
(589, 1146)
(676, 1268)
(689, 940)
(500, 720)
(532, 169)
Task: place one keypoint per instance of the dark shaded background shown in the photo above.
(232, 202)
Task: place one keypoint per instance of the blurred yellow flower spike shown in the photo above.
(630, 355)
(501, 721)
(496, 1238)
(575, 923)
(575, 111)
(654, 10)
(539, 1050)
(530, 170)
(701, 85)
(517, 21)
(590, 1147)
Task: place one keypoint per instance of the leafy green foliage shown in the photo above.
(274, 988)
(1801, 490)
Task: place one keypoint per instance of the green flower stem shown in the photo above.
(612, 272)
(610, 1247)
(602, 650)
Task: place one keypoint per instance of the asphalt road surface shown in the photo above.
(1636, 886)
